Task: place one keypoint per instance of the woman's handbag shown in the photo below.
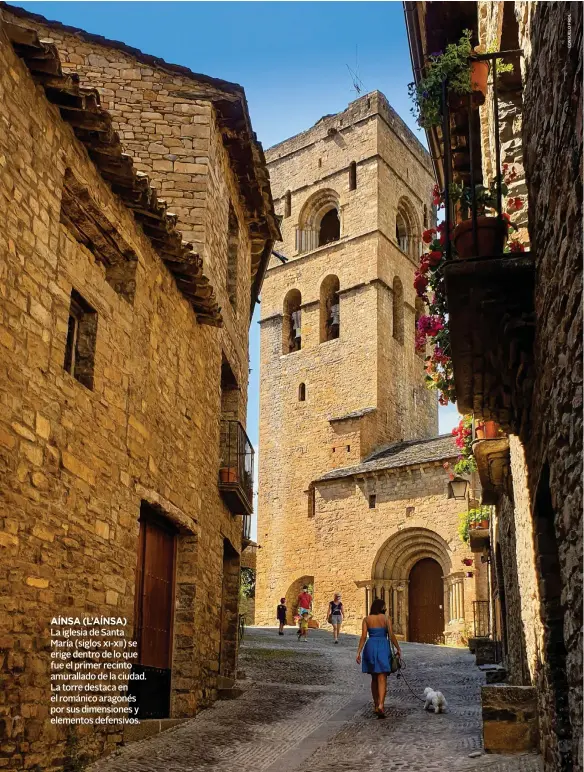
(394, 665)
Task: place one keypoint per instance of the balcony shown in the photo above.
(490, 305)
(489, 291)
(236, 469)
(493, 466)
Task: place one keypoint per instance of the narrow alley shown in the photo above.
(306, 707)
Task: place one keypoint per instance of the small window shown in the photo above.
(334, 450)
(232, 255)
(372, 501)
(81, 338)
(425, 216)
(311, 501)
(302, 392)
(287, 204)
(348, 448)
(410, 511)
(319, 162)
(353, 176)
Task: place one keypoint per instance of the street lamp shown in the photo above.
(458, 487)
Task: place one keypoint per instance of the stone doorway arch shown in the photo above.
(292, 595)
(390, 576)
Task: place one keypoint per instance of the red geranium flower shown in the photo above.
(420, 284)
(427, 235)
(434, 257)
(516, 246)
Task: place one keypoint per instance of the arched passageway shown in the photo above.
(292, 595)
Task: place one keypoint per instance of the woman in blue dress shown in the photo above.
(377, 653)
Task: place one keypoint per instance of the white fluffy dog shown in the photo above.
(434, 701)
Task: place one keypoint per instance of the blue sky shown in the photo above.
(290, 57)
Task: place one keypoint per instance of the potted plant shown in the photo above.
(492, 230)
(228, 474)
(464, 75)
(491, 430)
(478, 517)
(467, 561)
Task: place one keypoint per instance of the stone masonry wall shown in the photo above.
(548, 467)
(553, 163)
(76, 463)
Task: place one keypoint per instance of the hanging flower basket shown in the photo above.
(491, 237)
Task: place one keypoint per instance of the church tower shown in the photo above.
(340, 373)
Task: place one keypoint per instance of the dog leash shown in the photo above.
(401, 666)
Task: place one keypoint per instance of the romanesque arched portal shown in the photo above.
(390, 577)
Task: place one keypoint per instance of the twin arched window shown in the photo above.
(407, 231)
(319, 222)
(330, 309)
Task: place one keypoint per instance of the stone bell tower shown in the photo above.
(340, 373)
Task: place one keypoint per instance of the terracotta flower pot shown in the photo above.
(484, 524)
(480, 431)
(491, 430)
(479, 73)
(491, 237)
(228, 474)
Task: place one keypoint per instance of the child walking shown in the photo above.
(281, 615)
(303, 627)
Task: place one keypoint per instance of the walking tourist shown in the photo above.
(377, 653)
(335, 615)
(281, 615)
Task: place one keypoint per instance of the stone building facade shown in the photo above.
(535, 545)
(348, 480)
(124, 313)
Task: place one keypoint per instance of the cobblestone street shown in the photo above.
(306, 707)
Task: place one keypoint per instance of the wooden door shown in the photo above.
(153, 610)
(425, 602)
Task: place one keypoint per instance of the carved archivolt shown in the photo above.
(402, 550)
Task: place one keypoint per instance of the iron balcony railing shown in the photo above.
(475, 177)
(236, 468)
(482, 623)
